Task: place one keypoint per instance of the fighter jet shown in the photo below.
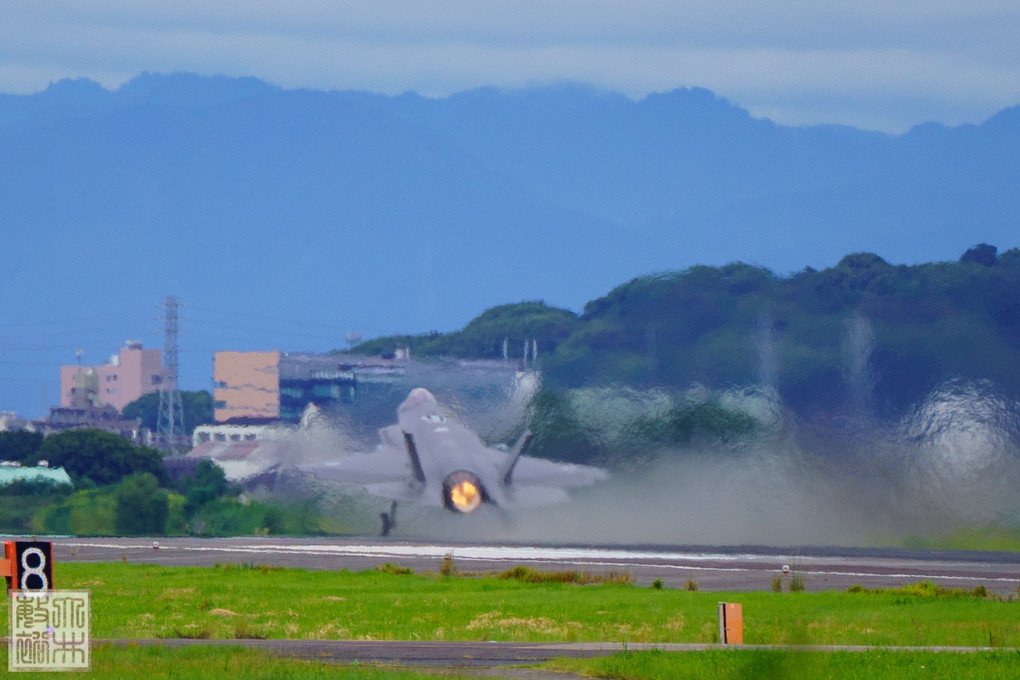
(431, 459)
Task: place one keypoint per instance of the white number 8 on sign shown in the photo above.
(33, 563)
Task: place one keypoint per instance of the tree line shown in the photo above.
(120, 489)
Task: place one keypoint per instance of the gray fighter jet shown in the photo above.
(428, 458)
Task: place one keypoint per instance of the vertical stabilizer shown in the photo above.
(514, 456)
(412, 452)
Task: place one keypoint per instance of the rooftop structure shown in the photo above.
(11, 421)
(105, 418)
(12, 472)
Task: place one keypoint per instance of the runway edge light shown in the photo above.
(731, 623)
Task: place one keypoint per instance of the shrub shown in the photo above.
(19, 445)
(84, 513)
(395, 569)
(243, 631)
(529, 575)
(448, 568)
(923, 589)
(101, 457)
(142, 507)
(207, 484)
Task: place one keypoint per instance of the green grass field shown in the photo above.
(235, 602)
(140, 601)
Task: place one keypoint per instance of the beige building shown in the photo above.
(246, 386)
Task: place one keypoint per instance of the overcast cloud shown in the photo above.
(867, 63)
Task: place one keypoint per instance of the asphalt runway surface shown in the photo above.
(713, 568)
(489, 654)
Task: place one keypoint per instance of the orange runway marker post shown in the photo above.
(731, 623)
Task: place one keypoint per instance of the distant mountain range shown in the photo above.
(405, 214)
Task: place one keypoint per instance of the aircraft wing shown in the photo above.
(402, 491)
(531, 496)
(531, 471)
(384, 465)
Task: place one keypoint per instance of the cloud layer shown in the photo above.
(862, 63)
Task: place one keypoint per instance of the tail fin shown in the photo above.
(514, 456)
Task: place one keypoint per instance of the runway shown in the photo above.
(493, 654)
(713, 568)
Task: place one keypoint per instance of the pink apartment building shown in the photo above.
(125, 377)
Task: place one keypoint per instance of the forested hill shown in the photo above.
(900, 329)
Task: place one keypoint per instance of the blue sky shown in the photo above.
(873, 64)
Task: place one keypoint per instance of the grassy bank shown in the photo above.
(234, 602)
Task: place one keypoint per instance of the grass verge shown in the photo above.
(244, 602)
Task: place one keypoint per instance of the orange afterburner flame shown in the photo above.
(463, 492)
(465, 496)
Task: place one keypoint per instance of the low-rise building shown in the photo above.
(122, 379)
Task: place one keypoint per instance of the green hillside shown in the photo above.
(894, 331)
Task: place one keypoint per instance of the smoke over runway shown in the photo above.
(950, 463)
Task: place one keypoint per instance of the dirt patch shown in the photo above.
(177, 593)
(539, 624)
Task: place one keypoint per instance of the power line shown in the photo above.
(265, 317)
(123, 314)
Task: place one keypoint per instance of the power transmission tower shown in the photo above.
(171, 412)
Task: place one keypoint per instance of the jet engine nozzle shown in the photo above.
(462, 492)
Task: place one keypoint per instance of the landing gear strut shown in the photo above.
(389, 519)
